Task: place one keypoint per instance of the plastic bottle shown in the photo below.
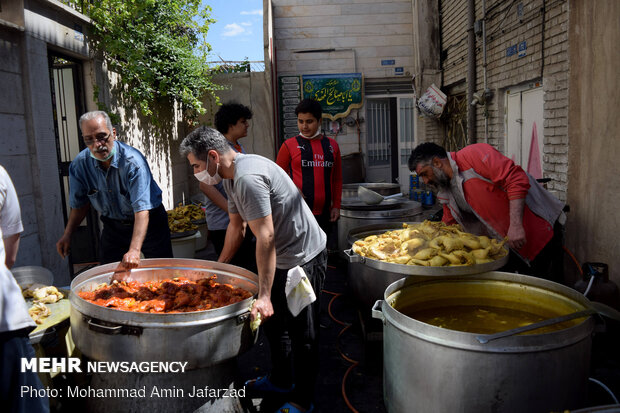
(414, 183)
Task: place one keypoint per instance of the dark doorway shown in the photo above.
(68, 105)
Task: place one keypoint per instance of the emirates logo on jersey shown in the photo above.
(318, 161)
(312, 164)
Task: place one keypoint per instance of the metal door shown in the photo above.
(378, 141)
(382, 146)
(524, 125)
(67, 106)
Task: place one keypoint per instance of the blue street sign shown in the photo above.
(522, 48)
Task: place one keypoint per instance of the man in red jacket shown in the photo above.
(488, 194)
(313, 162)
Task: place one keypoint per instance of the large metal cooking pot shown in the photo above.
(202, 338)
(407, 211)
(369, 278)
(350, 190)
(433, 369)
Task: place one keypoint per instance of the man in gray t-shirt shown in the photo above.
(287, 235)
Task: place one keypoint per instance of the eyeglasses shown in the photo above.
(99, 138)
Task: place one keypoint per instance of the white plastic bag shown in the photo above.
(432, 102)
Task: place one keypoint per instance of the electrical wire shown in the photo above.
(344, 356)
(499, 26)
(613, 396)
(570, 254)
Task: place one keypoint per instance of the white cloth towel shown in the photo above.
(298, 290)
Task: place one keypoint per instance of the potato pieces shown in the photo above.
(430, 244)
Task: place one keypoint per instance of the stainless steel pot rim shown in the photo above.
(429, 271)
(225, 273)
(468, 341)
(371, 185)
(408, 208)
(161, 320)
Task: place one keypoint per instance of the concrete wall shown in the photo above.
(29, 30)
(28, 147)
(158, 142)
(594, 171)
(252, 89)
(427, 63)
(543, 25)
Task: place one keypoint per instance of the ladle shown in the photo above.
(371, 197)
(596, 308)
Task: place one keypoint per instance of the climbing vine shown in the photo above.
(159, 50)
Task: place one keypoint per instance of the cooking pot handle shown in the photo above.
(376, 310)
(241, 318)
(353, 257)
(606, 310)
(104, 329)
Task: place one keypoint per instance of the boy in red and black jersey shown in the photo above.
(313, 161)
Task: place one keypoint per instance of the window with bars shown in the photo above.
(379, 133)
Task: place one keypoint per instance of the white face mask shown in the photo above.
(204, 176)
(313, 136)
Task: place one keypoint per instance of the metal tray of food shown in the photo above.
(405, 269)
(426, 271)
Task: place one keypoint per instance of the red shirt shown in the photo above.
(316, 169)
(491, 200)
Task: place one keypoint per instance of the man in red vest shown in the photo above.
(488, 194)
(313, 161)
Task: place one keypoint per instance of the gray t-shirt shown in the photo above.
(261, 188)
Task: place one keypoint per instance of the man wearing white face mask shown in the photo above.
(232, 120)
(287, 237)
(115, 179)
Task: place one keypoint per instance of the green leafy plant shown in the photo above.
(159, 50)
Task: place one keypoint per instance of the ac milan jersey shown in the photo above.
(316, 169)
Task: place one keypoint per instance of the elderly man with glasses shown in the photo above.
(115, 179)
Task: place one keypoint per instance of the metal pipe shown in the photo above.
(471, 72)
(484, 70)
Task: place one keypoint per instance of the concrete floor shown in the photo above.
(364, 383)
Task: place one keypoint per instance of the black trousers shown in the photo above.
(294, 341)
(116, 237)
(246, 254)
(328, 227)
(548, 264)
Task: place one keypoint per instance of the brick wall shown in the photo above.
(543, 25)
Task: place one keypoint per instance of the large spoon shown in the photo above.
(371, 197)
(595, 308)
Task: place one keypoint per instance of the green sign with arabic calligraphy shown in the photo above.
(337, 93)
